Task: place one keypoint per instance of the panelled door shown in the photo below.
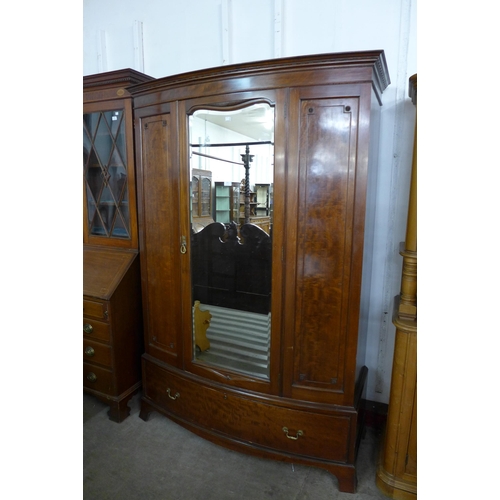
(323, 165)
(161, 249)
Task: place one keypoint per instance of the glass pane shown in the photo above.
(103, 142)
(231, 256)
(206, 187)
(235, 206)
(119, 227)
(194, 196)
(105, 173)
(117, 182)
(91, 204)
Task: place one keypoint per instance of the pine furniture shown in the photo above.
(397, 470)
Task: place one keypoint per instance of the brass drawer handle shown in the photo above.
(87, 328)
(91, 377)
(89, 351)
(177, 395)
(299, 433)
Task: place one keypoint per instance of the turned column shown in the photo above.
(247, 158)
(397, 470)
(408, 297)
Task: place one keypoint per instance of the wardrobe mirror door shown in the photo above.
(232, 165)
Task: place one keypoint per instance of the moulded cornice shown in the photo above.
(117, 78)
(375, 59)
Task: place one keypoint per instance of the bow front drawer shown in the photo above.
(254, 421)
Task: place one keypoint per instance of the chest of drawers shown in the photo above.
(112, 327)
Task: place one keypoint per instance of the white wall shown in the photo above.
(180, 36)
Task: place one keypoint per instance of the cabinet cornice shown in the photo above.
(369, 59)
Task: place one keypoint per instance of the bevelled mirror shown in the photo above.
(231, 177)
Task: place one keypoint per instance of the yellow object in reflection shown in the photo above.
(201, 324)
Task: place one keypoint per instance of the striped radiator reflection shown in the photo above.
(239, 340)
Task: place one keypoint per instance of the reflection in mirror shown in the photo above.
(232, 168)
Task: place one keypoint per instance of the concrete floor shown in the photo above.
(159, 459)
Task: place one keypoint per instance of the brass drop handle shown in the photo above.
(177, 395)
(299, 433)
(89, 351)
(183, 245)
(92, 377)
(87, 328)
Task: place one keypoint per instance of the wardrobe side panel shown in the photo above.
(366, 318)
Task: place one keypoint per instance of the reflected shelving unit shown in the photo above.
(226, 201)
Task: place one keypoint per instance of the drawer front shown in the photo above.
(300, 432)
(94, 329)
(98, 379)
(97, 353)
(95, 309)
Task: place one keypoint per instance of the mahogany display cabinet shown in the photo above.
(112, 310)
